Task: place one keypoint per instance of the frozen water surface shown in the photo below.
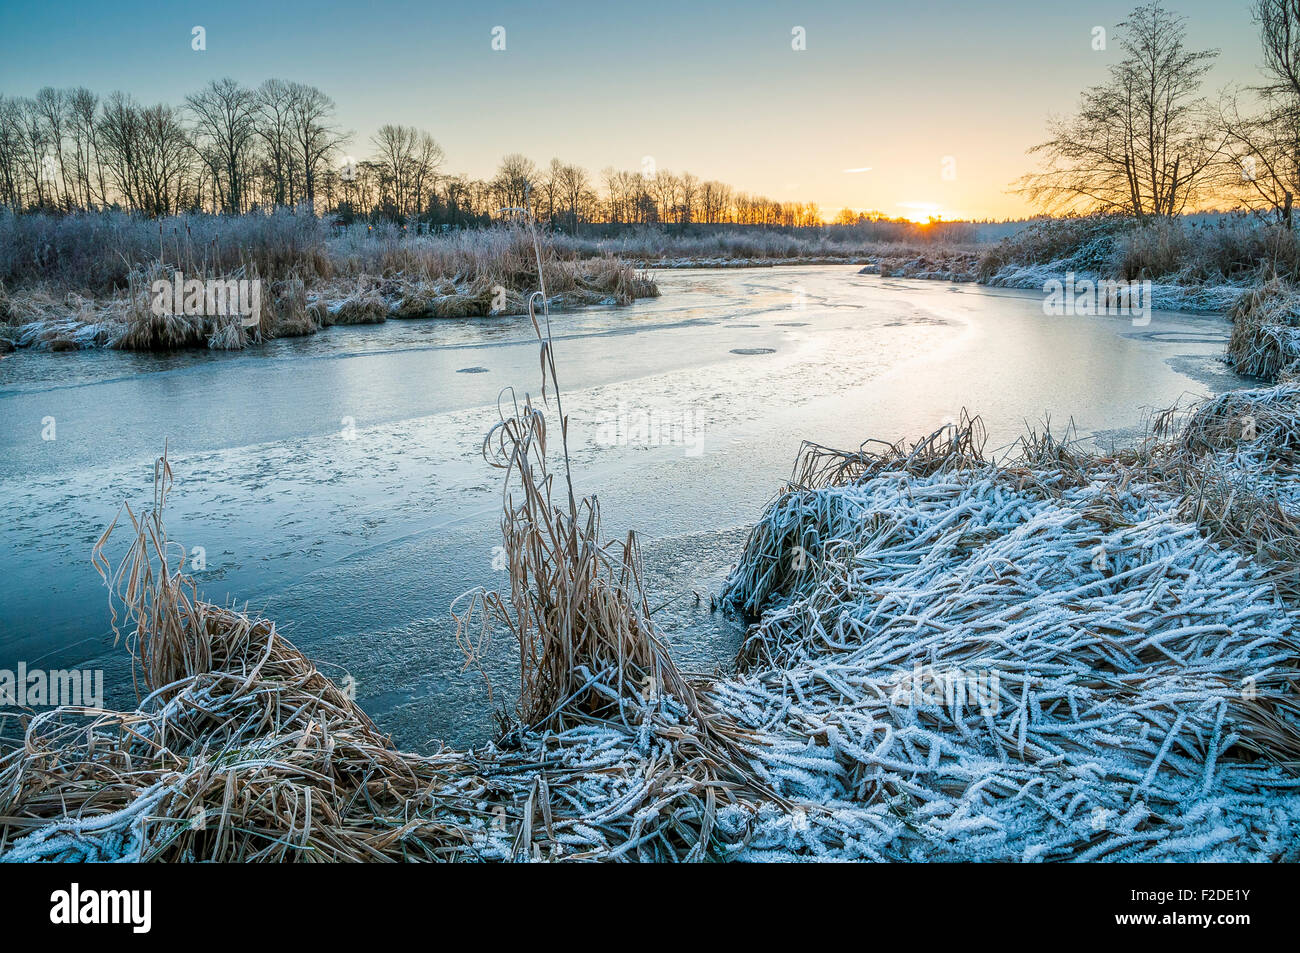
(336, 485)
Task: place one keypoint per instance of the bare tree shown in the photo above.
(225, 130)
(1262, 162)
(52, 107)
(121, 142)
(165, 156)
(34, 152)
(314, 135)
(410, 160)
(395, 146)
(546, 200)
(688, 191)
(273, 124)
(1140, 143)
(12, 147)
(83, 125)
(515, 180)
(574, 192)
(663, 189)
(427, 159)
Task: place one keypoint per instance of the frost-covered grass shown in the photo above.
(1265, 339)
(1051, 657)
(68, 282)
(723, 246)
(1143, 702)
(1193, 264)
(1118, 725)
(1225, 250)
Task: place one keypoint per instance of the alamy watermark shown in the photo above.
(1102, 296)
(51, 688)
(927, 687)
(74, 906)
(212, 297)
(654, 428)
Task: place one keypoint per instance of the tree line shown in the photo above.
(232, 149)
(1148, 143)
(228, 149)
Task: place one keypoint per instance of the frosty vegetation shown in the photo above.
(1127, 623)
(85, 281)
(1143, 706)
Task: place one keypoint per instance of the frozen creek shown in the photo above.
(335, 482)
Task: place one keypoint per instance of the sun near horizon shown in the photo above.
(873, 109)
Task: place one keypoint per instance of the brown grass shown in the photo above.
(309, 281)
(1265, 340)
(242, 750)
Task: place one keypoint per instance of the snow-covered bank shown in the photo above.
(41, 322)
(1193, 264)
(1165, 296)
(1052, 658)
(1038, 661)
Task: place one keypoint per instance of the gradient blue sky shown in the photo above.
(712, 89)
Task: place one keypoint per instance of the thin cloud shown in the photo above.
(865, 168)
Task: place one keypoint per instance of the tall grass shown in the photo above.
(1228, 249)
(649, 245)
(95, 253)
(82, 280)
(576, 604)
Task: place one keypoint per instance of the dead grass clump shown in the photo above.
(228, 334)
(576, 605)
(1265, 340)
(240, 749)
(147, 331)
(63, 335)
(138, 327)
(931, 262)
(1233, 464)
(1264, 422)
(415, 300)
(42, 320)
(470, 300)
(285, 310)
(610, 279)
(361, 306)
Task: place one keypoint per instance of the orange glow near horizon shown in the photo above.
(922, 213)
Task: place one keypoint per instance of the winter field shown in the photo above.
(458, 505)
(1047, 651)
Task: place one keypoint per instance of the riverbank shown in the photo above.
(94, 281)
(1239, 266)
(1057, 654)
(131, 323)
(965, 267)
(1054, 656)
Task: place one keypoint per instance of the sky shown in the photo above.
(937, 101)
